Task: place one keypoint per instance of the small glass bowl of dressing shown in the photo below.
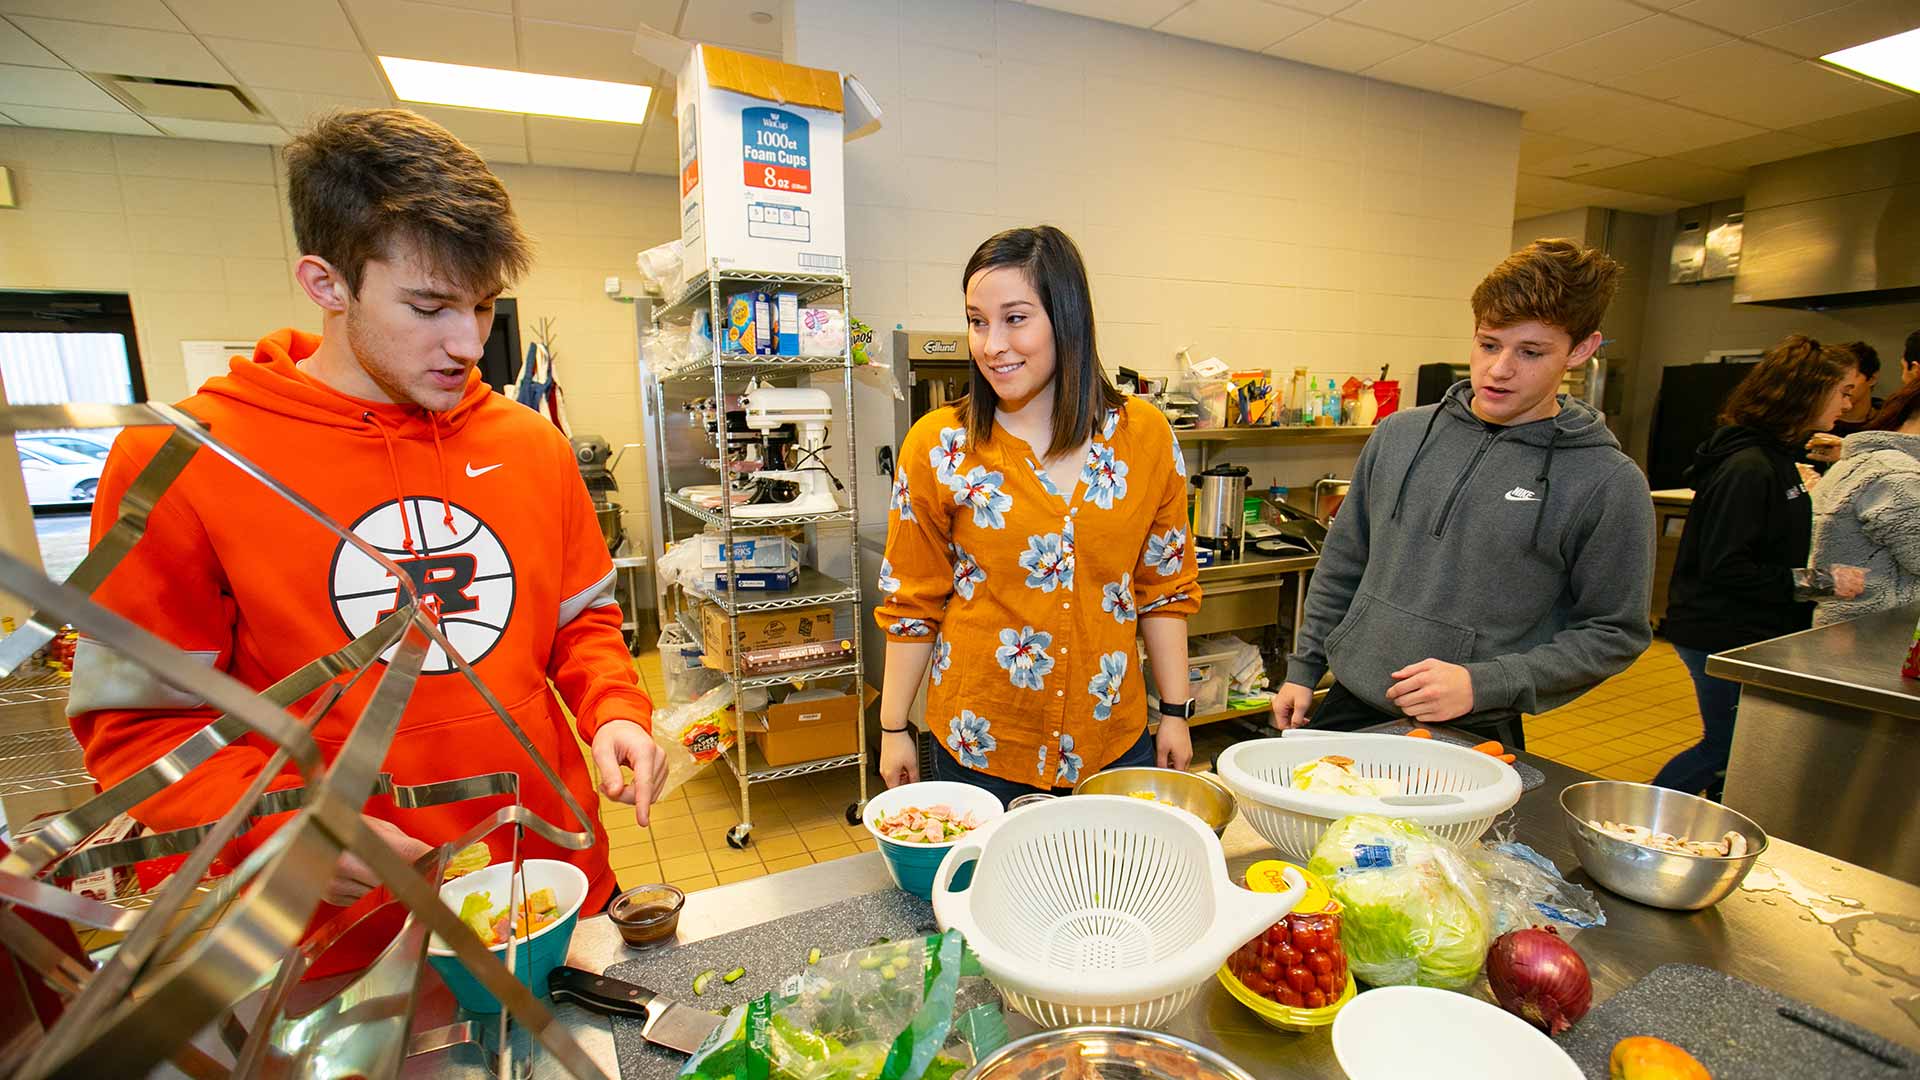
(647, 915)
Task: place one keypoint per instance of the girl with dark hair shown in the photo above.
(1750, 528)
(1866, 512)
(1036, 527)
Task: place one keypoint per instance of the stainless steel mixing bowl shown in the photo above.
(1199, 794)
(1657, 878)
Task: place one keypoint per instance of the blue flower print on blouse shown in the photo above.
(1023, 653)
(1069, 769)
(980, 490)
(1048, 560)
(910, 628)
(946, 457)
(967, 572)
(1046, 482)
(1105, 684)
(902, 499)
(1105, 477)
(887, 582)
(1108, 424)
(970, 739)
(1165, 553)
(942, 659)
(1155, 605)
(1117, 597)
(1179, 458)
(1040, 767)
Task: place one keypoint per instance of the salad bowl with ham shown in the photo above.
(916, 824)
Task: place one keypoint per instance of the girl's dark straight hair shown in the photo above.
(1082, 393)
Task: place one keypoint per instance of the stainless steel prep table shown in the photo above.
(1828, 743)
(1764, 937)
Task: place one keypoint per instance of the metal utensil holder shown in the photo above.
(194, 985)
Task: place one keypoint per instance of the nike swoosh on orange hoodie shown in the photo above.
(247, 583)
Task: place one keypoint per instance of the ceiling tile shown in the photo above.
(289, 67)
(500, 155)
(1741, 154)
(1660, 129)
(1519, 88)
(1843, 27)
(1734, 63)
(582, 52)
(1538, 27)
(1801, 93)
(123, 50)
(1566, 114)
(145, 14)
(1536, 147)
(492, 7)
(1522, 212)
(1341, 46)
(582, 159)
(1242, 24)
(50, 89)
(431, 32)
(1424, 19)
(1670, 177)
(477, 125)
(121, 123)
(1434, 67)
(1142, 13)
(17, 48)
(1545, 194)
(730, 23)
(551, 133)
(295, 110)
(218, 131)
(289, 22)
(626, 15)
(1569, 166)
(1883, 122)
(1746, 17)
(1634, 47)
(659, 150)
(1320, 7)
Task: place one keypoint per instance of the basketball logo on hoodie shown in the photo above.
(464, 571)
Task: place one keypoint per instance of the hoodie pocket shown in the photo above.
(1377, 639)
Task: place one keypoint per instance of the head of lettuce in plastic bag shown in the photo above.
(1413, 910)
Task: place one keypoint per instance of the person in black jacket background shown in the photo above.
(1750, 528)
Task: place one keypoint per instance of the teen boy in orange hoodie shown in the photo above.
(385, 424)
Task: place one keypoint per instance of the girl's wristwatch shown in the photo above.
(1182, 711)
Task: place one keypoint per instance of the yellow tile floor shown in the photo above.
(1628, 726)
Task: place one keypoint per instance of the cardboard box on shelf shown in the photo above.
(762, 184)
(752, 580)
(809, 725)
(762, 630)
(749, 553)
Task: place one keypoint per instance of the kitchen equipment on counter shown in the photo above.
(1219, 512)
(1659, 878)
(912, 866)
(1100, 909)
(1203, 796)
(663, 1023)
(536, 954)
(1328, 493)
(1182, 409)
(1260, 774)
(1111, 1053)
(1395, 1032)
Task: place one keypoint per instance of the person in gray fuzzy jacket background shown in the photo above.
(1866, 511)
(1495, 551)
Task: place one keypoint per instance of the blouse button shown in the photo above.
(1059, 693)
(1065, 606)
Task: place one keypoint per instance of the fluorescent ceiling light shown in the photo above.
(1894, 60)
(432, 83)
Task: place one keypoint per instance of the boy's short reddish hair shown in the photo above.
(1556, 282)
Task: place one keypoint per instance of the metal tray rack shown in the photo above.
(206, 976)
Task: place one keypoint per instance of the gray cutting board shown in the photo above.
(1530, 777)
(1733, 1027)
(770, 952)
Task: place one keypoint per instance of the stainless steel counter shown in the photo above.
(1828, 741)
(1834, 935)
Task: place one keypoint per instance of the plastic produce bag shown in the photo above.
(663, 268)
(894, 1011)
(1413, 909)
(693, 735)
(1526, 889)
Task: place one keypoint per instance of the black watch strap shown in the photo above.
(1182, 711)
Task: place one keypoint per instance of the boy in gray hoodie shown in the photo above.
(1494, 554)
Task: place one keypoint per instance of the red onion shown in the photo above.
(1539, 978)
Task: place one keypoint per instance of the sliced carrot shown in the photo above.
(1508, 758)
(1419, 733)
(1491, 746)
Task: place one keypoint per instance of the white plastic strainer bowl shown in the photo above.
(1100, 908)
(1260, 772)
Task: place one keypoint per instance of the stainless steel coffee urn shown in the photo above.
(1219, 513)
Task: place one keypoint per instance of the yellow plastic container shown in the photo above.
(1266, 877)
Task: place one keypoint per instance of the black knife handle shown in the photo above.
(599, 993)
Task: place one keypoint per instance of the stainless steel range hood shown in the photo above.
(1840, 228)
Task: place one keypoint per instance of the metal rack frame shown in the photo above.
(725, 373)
(227, 970)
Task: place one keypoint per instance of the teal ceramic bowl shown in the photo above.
(535, 956)
(911, 865)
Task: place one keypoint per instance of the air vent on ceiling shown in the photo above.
(183, 100)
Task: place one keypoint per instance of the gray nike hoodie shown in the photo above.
(1524, 554)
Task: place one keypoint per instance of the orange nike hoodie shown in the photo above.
(482, 505)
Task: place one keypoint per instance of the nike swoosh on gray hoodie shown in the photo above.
(1523, 553)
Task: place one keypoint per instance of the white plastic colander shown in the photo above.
(1100, 909)
(1260, 772)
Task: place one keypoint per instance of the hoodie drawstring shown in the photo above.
(440, 459)
(1545, 480)
(1408, 475)
(399, 493)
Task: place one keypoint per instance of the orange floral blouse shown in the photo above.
(1031, 595)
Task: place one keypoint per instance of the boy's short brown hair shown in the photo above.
(360, 179)
(1556, 282)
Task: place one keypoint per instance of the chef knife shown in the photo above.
(665, 1023)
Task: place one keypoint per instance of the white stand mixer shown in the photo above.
(771, 408)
